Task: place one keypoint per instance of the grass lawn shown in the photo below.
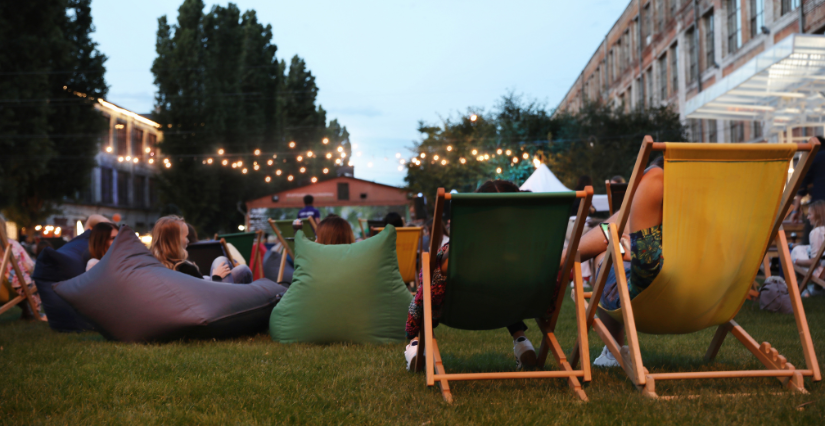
(52, 378)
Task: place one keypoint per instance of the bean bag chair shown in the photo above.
(54, 266)
(130, 296)
(343, 293)
(272, 263)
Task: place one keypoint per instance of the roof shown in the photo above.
(543, 180)
(784, 86)
(326, 193)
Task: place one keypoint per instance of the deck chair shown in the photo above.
(407, 242)
(615, 195)
(203, 253)
(8, 296)
(807, 273)
(712, 255)
(286, 236)
(243, 241)
(496, 279)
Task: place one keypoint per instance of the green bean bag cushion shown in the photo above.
(343, 293)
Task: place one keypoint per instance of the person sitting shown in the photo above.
(101, 238)
(522, 348)
(618, 179)
(644, 260)
(169, 241)
(802, 255)
(394, 219)
(26, 265)
(308, 210)
(334, 230)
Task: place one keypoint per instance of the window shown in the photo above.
(674, 69)
(139, 183)
(757, 16)
(789, 5)
(649, 87)
(137, 142)
(660, 16)
(692, 55)
(710, 40)
(647, 25)
(628, 53)
(663, 78)
(712, 131)
(106, 185)
(151, 141)
(105, 136)
(343, 191)
(122, 188)
(695, 127)
(121, 143)
(674, 6)
(153, 193)
(737, 131)
(757, 130)
(611, 72)
(734, 25)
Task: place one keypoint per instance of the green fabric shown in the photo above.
(504, 257)
(285, 227)
(343, 293)
(242, 241)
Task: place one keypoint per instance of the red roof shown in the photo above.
(333, 193)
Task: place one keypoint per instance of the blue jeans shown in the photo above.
(240, 274)
(610, 296)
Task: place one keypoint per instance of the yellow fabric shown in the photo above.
(720, 202)
(6, 292)
(406, 247)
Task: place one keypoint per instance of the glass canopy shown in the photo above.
(783, 86)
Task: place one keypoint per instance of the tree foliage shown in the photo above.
(48, 131)
(508, 143)
(221, 86)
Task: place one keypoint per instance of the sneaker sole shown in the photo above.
(528, 360)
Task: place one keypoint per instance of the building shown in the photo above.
(123, 182)
(667, 52)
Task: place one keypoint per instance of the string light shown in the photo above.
(256, 167)
(508, 152)
(462, 160)
(340, 149)
(208, 161)
(119, 159)
(257, 152)
(400, 168)
(515, 160)
(168, 165)
(147, 150)
(151, 161)
(486, 156)
(423, 155)
(326, 170)
(397, 155)
(309, 154)
(314, 179)
(292, 144)
(475, 152)
(244, 170)
(449, 147)
(329, 155)
(268, 179)
(289, 178)
(135, 160)
(220, 151)
(303, 169)
(109, 149)
(480, 158)
(300, 158)
(473, 117)
(443, 162)
(128, 158)
(274, 155)
(225, 162)
(499, 151)
(435, 157)
(278, 172)
(498, 170)
(269, 162)
(525, 156)
(343, 155)
(325, 141)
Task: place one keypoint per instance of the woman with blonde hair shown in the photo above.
(169, 241)
(802, 255)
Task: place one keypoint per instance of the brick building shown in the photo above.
(666, 52)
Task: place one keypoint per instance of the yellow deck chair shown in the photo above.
(8, 296)
(407, 242)
(723, 205)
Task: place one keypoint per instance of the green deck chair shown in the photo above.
(498, 278)
(286, 236)
(242, 241)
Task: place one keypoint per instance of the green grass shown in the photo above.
(52, 378)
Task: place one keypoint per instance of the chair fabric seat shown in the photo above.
(720, 202)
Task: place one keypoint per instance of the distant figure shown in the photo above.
(394, 219)
(803, 255)
(101, 238)
(193, 234)
(308, 210)
(94, 220)
(618, 179)
(334, 230)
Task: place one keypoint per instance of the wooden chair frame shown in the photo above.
(429, 357)
(630, 358)
(284, 244)
(418, 252)
(808, 273)
(8, 256)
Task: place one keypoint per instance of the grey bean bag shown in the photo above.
(272, 263)
(132, 297)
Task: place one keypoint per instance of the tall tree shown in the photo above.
(49, 129)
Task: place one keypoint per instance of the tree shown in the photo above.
(49, 129)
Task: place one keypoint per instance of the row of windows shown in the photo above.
(118, 183)
(134, 145)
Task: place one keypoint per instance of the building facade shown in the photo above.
(665, 52)
(124, 180)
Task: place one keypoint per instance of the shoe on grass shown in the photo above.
(411, 354)
(606, 359)
(525, 353)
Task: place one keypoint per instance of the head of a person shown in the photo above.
(193, 234)
(102, 236)
(308, 200)
(169, 240)
(334, 230)
(497, 186)
(816, 213)
(618, 179)
(584, 181)
(658, 162)
(394, 219)
(41, 245)
(94, 220)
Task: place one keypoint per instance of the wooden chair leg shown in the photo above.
(716, 342)
(282, 266)
(768, 356)
(581, 318)
(439, 369)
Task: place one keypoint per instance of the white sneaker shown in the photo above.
(411, 353)
(525, 353)
(606, 359)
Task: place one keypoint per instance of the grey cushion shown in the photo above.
(132, 297)
(272, 263)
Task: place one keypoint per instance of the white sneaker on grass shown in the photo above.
(411, 353)
(525, 353)
(606, 359)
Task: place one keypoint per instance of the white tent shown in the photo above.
(543, 180)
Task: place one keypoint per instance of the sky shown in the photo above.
(383, 66)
